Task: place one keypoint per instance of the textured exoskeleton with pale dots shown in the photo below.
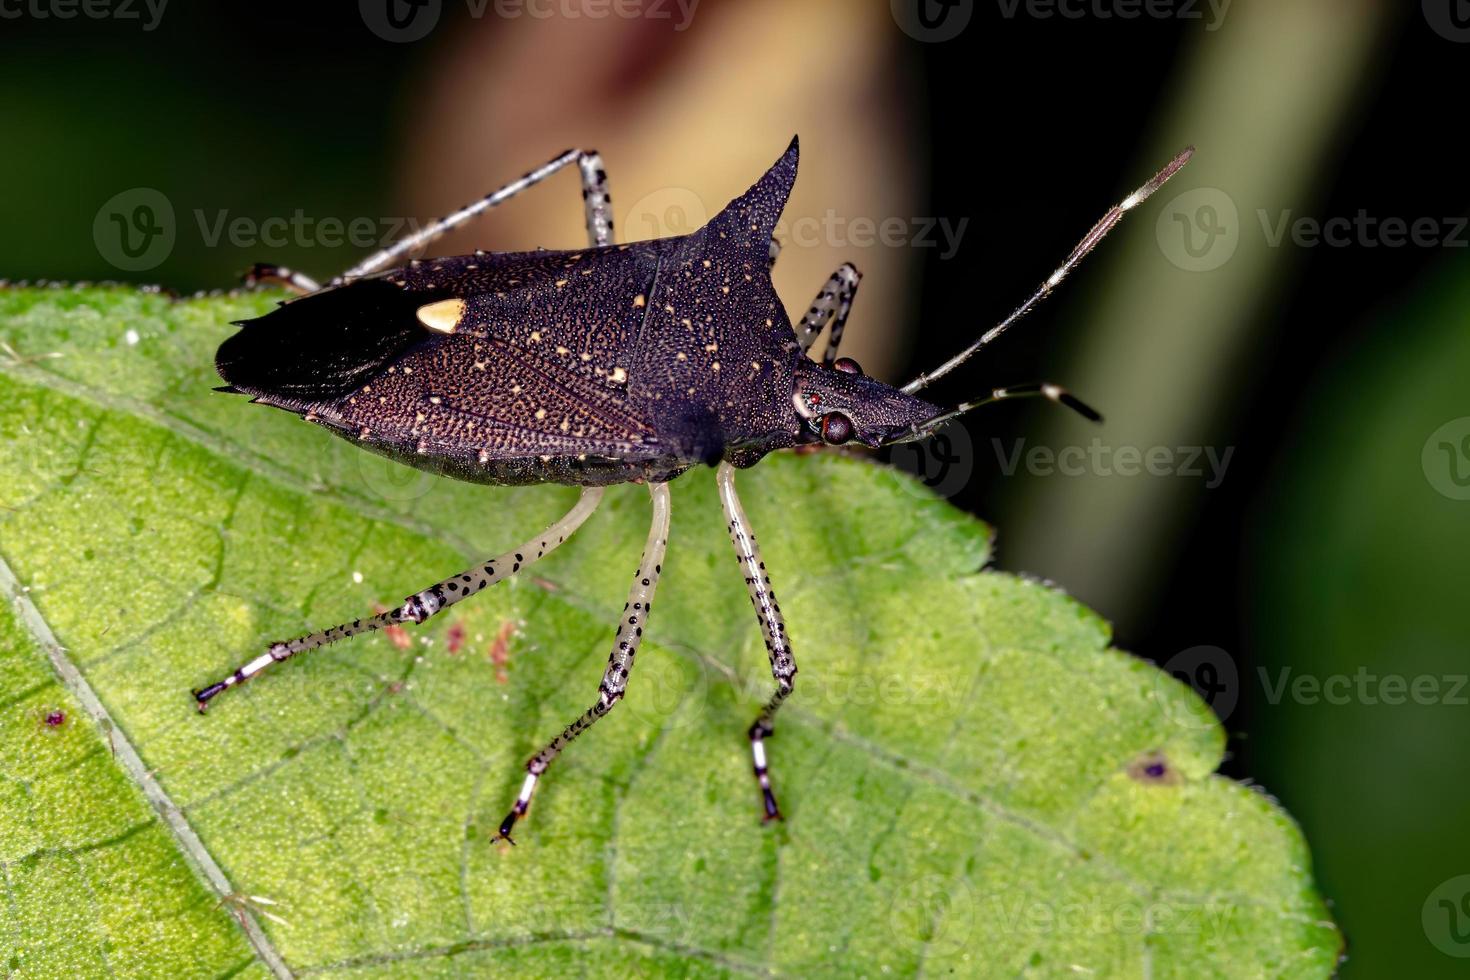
(608, 364)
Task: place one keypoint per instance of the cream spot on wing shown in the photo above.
(618, 376)
(442, 316)
(638, 301)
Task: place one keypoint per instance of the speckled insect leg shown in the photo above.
(421, 605)
(773, 626)
(835, 300)
(594, 188)
(268, 273)
(596, 200)
(619, 662)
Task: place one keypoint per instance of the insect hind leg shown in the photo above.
(597, 203)
(619, 662)
(773, 626)
(270, 274)
(421, 605)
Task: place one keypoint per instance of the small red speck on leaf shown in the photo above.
(455, 638)
(500, 650)
(55, 719)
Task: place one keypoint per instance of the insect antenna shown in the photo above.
(1043, 389)
(1087, 244)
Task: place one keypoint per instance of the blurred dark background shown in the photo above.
(1309, 582)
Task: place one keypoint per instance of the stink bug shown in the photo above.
(610, 364)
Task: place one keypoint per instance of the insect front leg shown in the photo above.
(421, 605)
(619, 662)
(832, 305)
(773, 626)
(595, 196)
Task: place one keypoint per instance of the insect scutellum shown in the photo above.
(608, 364)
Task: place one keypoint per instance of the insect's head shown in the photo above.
(840, 404)
(837, 404)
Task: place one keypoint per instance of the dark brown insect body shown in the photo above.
(599, 366)
(610, 364)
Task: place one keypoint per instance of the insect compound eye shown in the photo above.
(836, 428)
(847, 366)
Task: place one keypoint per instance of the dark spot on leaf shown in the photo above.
(1153, 767)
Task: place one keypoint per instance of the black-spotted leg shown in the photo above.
(619, 662)
(832, 305)
(270, 274)
(773, 626)
(597, 201)
(421, 605)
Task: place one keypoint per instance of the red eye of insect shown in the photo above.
(815, 399)
(836, 428)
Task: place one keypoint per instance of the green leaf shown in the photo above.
(974, 782)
